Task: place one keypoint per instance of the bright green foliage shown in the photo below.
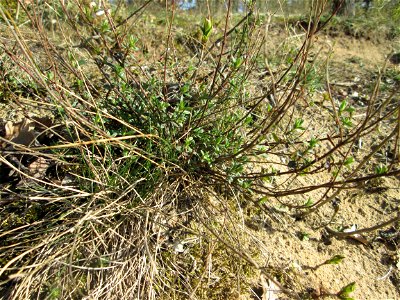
(381, 169)
(345, 292)
(298, 124)
(337, 259)
(348, 161)
(206, 29)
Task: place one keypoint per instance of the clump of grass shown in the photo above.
(374, 23)
(379, 22)
(155, 155)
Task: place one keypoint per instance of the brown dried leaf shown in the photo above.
(10, 129)
(270, 290)
(38, 168)
(42, 123)
(358, 237)
(22, 133)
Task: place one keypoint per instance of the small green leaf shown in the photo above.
(82, 62)
(275, 137)
(246, 184)
(185, 89)
(347, 122)
(206, 29)
(308, 203)
(205, 156)
(381, 169)
(50, 75)
(268, 179)
(298, 124)
(326, 97)
(345, 291)
(312, 143)
(104, 27)
(350, 110)
(348, 161)
(263, 200)
(248, 120)
(207, 26)
(132, 42)
(342, 106)
(334, 260)
(304, 236)
(237, 62)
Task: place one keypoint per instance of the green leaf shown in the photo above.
(263, 200)
(347, 122)
(50, 75)
(267, 179)
(104, 27)
(381, 169)
(237, 62)
(304, 236)
(246, 184)
(334, 260)
(206, 29)
(342, 106)
(308, 203)
(205, 156)
(350, 110)
(326, 97)
(345, 291)
(298, 124)
(275, 137)
(312, 143)
(348, 161)
(185, 89)
(132, 42)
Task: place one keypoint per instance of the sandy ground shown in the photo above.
(371, 261)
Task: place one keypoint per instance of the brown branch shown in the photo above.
(365, 230)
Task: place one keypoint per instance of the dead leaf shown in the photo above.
(9, 128)
(42, 123)
(20, 133)
(26, 131)
(38, 168)
(358, 237)
(270, 290)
